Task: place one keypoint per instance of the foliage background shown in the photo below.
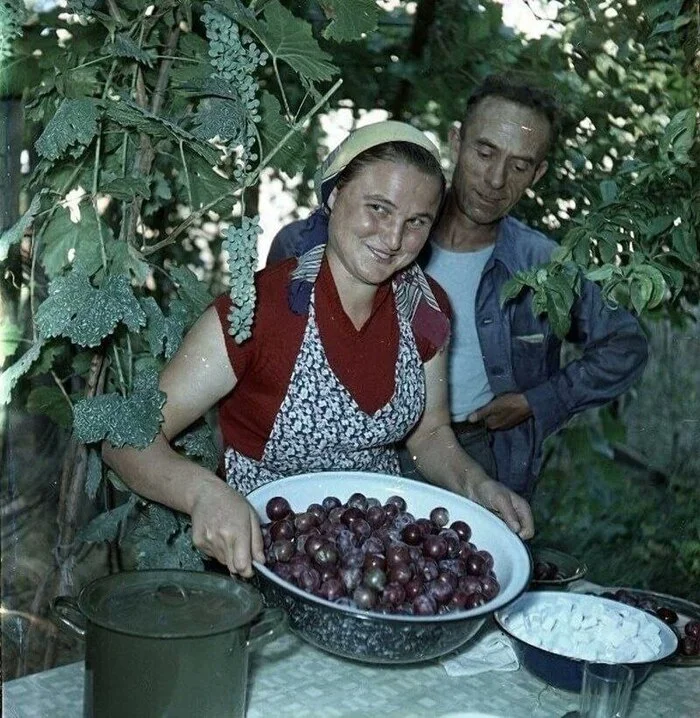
(137, 107)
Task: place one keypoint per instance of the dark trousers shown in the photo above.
(473, 438)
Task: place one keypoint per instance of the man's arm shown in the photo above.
(440, 458)
(615, 352)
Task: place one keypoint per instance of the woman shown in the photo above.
(347, 356)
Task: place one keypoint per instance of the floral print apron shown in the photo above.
(320, 427)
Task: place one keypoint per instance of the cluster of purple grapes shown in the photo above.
(378, 557)
(688, 638)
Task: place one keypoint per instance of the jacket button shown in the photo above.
(484, 322)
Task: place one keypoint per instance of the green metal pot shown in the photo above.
(167, 643)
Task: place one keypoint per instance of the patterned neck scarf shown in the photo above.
(414, 298)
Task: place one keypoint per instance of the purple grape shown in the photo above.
(455, 565)
(326, 555)
(282, 550)
(453, 542)
(396, 554)
(284, 571)
(469, 584)
(309, 580)
(354, 558)
(374, 560)
(391, 511)
(449, 578)
(489, 587)
(345, 541)
(488, 559)
(458, 600)
(463, 530)
(435, 547)
(304, 521)
(350, 515)
(335, 515)
(313, 544)
(396, 501)
(318, 512)
(424, 605)
(361, 529)
(393, 594)
(474, 600)
(330, 502)
(364, 597)
(351, 577)
(283, 529)
(376, 516)
(277, 508)
(413, 588)
(331, 589)
(440, 516)
(441, 591)
(375, 578)
(426, 526)
(412, 534)
(400, 573)
(373, 545)
(328, 572)
(358, 501)
(476, 566)
(429, 570)
(372, 502)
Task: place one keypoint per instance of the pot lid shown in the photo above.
(169, 603)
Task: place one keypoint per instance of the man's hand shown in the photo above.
(507, 505)
(226, 527)
(503, 412)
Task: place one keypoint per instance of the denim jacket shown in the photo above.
(522, 353)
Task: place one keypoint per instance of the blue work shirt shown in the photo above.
(523, 354)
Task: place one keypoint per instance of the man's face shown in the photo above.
(501, 154)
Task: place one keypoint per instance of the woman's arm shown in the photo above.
(224, 525)
(443, 461)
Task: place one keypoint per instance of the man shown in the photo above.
(508, 391)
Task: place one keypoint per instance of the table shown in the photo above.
(289, 678)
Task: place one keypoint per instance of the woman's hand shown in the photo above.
(506, 504)
(225, 527)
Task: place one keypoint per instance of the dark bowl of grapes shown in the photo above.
(555, 570)
(383, 569)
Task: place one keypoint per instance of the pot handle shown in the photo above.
(270, 624)
(65, 613)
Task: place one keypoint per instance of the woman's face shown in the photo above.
(380, 221)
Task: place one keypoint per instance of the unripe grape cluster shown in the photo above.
(378, 558)
(241, 244)
(235, 58)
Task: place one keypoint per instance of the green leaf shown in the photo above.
(659, 225)
(223, 118)
(164, 334)
(600, 274)
(75, 122)
(685, 243)
(126, 188)
(273, 127)
(106, 526)
(350, 19)
(510, 290)
(16, 232)
(50, 401)
(641, 291)
(206, 185)
(86, 315)
(61, 236)
(608, 191)
(93, 479)
(199, 444)
(123, 258)
(671, 25)
(657, 280)
(124, 46)
(133, 420)
(191, 291)
(11, 375)
(288, 38)
(679, 133)
(10, 339)
(128, 114)
(558, 313)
